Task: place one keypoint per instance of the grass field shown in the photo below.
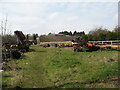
(61, 67)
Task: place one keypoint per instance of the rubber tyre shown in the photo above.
(16, 55)
(27, 49)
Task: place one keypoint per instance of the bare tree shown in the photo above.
(5, 27)
(2, 27)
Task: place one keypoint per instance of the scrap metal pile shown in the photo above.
(111, 45)
(16, 50)
(81, 45)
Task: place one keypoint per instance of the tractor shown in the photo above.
(81, 45)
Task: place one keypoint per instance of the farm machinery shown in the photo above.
(23, 42)
(35, 39)
(81, 45)
(107, 45)
(10, 50)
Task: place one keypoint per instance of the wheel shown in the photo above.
(78, 50)
(74, 49)
(27, 49)
(90, 49)
(108, 48)
(16, 54)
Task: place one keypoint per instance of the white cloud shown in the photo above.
(59, 0)
(24, 8)
(23, 20)
(53, 15)
(115, 18)
(2, 16)
(46, 17)
(73, 18)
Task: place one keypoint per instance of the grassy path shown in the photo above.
(32, 74)
(61, 67)
(35, 69)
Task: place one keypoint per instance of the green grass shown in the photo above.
(61, 67)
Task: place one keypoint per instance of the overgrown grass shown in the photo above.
(61, 67)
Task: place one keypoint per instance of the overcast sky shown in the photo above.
(42, 17)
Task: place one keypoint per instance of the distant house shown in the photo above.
(59, 34)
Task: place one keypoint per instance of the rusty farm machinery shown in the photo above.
(10, 50)
(81, 45)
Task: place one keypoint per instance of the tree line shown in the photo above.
(75, 33)
(101, 34)
(97, 34)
